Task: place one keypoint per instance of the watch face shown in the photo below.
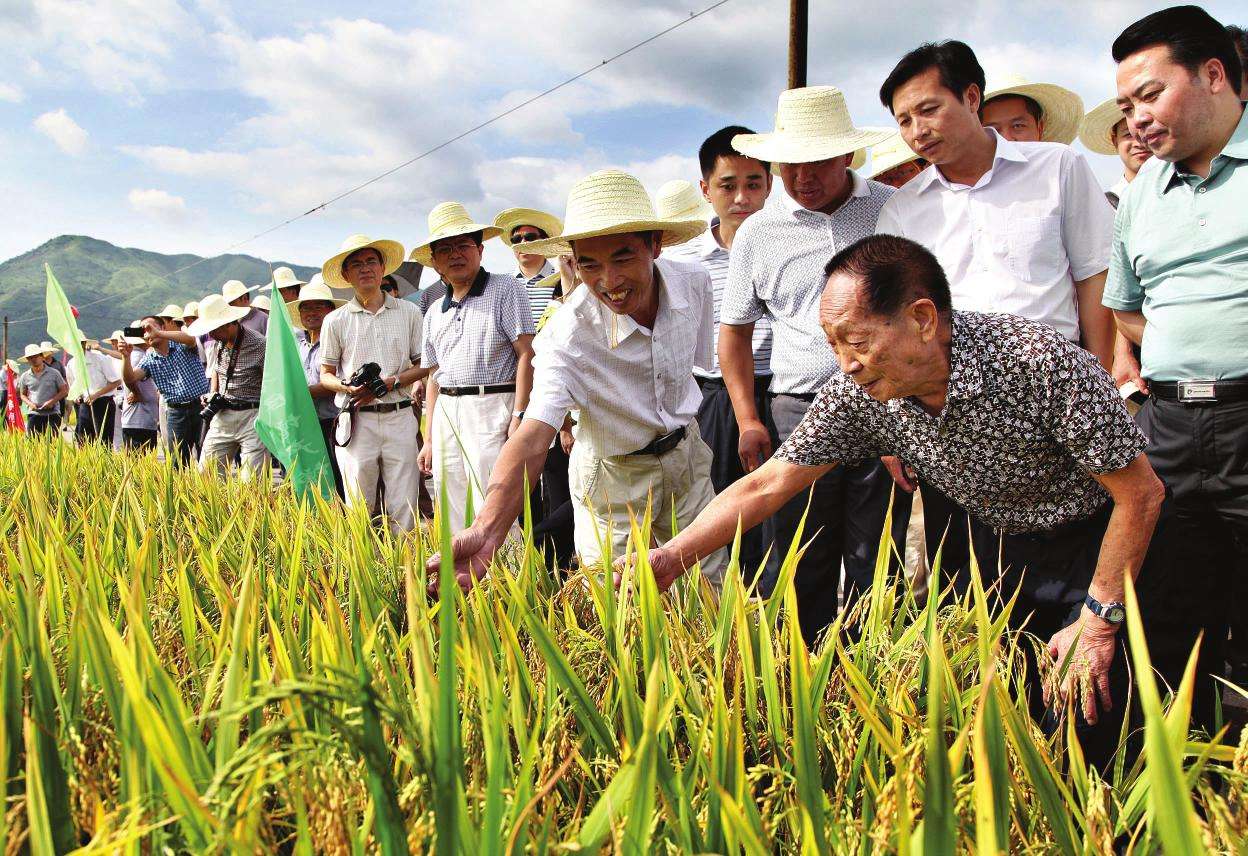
(1115, 615)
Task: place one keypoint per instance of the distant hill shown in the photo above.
(134, 282)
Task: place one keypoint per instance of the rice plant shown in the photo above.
(194, 665)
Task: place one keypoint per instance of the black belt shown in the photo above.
(760, 382)
(1200, 391)
(487, 389)
(801, 396)
(662, 445)
(384, 408)
(182, 405)
(239, 404)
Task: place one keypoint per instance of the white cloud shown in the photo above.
(62, 130)
(11, 92)
(158, 205)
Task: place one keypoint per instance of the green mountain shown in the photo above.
(111, 285)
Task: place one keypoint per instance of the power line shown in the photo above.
(490, 121)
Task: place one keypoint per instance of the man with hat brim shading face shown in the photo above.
(239, 295)
(478, 349)
(619, 351)
(520, 226)
(894, 163)
(287, 284)
(236, 374)
(774, 273)
(96, 411)
(171, 317)
(178, 374)
(733, 188)
(42, 388)
(50, 351)
(1027, 112)
(376, 437)
(307, 313)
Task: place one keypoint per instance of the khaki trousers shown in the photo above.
(233, 432)
(468, 434)
(606, 490)
(384, 445)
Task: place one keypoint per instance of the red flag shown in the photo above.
(12, 403)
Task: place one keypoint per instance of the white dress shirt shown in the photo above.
(391, 337)
(1017, 241)
(631, 385)
(101, 370)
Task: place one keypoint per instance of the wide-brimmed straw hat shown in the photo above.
(812, 124)
(284, 277)
(190, 310)
(508, 221)
(890, 154)
(1096, 131)
(215, 311)
(13, 366)
(391, 257)
(310, 292)
(450, 220)
(33, 350)
(262, 302)
(680, 200)
(1062, 109)
(49, 348)
(173, 310)
(235, 289)
(611, 202)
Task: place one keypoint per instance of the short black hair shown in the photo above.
(476, 239)
(348, 256)
(955, 61)
(1031, 105)
(894, 272)
(1239, 38)
(719, 145)
(1192, 35)
(155, 318)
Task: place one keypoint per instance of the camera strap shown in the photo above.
(229, 371)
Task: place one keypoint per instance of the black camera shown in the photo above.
(216, 403)
(369, 377)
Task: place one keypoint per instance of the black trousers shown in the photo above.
(43, 423)
(1201, 452)
(139, 439)
(553, 531)
(717, 422)
(846, 516)
(95, 421)
(327, 431)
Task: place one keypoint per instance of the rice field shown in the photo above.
(194, 665)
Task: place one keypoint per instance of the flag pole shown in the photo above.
(798, 27)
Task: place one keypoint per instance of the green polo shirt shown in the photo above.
(1180, 256)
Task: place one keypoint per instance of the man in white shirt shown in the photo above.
(96, 409)
(620, 352)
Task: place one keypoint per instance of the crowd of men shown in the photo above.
(970, 324)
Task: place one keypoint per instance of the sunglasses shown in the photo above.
(527, 237)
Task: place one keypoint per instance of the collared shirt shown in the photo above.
(1181, 257)
(472, 341)
(1017, 241)
(248, 376)
(310, 353)
(41, 387)
(256, 321)
(144, 414)
(1029, 418)
(351, 336)
(539, 298)
(101, 371)
(431, 295)
(631, 385)
(179, 375)
(706, 251)
(775, 271)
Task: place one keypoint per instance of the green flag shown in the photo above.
(287, 422)
(64, 331)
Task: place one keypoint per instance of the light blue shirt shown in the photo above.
(1180, 256)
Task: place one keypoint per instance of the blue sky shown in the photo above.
(186, 127)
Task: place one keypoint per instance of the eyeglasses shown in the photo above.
(367, 261)
(445, 251)
(526, 237)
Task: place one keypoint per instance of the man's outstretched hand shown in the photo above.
(665, 564)
(472, 550)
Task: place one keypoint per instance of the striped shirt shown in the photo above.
(351, 336)
(706, 251)
(472, 341)
(539, 298)
(179, 376)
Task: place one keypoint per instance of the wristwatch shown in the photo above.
(1115, 613)
(517, 414)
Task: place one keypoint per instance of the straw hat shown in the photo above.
(450, 220)
(311, 291)
(13, 366)
(812, 124)
(48, 347)
(1062, 108)
(391, 257)
(890, 154)
(190, 310)
(680, 200)
(508, 220)
(262, 302)
(233, 290)
(214, 312)
(610, 202)
(284, 277)
(173, 310)
(33, 350)
(1097, 128)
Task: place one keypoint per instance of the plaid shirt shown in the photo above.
(248, 366)
(471, 342)
(179, 376)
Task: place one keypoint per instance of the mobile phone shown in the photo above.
(133, 332)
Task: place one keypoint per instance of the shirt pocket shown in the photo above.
(1032, 244)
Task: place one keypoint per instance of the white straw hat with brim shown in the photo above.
(680, 200)
(313, 291)
(391, 257)
(812, 124)
(1062, 108)
(890, 154)
(173, 310)
(284, 277)
(235, 289)
(611, 202)
(31, 351)
(48, 347)
(512, 218)
(190, 310)
(262, 302)
(13, 366)
(449, 220)
(214, 312)
(1097, 128)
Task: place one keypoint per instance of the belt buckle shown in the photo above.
(481, 389)
(1198, 392)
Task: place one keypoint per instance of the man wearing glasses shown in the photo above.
(523, 226)
(478, 347)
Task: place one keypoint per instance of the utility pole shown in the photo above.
(6, 340)
(798, 21)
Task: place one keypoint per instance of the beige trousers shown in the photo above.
(233, 432)
(606, 490)
(468, 434)
(383, 445)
